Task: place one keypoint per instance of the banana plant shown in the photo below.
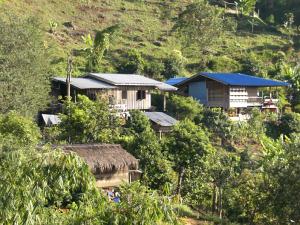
(96, 47)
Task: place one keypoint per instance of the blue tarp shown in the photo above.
(233, 79)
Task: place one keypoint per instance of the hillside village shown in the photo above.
(149, 112)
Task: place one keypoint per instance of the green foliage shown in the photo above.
(19, 130)
(196, 18)
(88, 121)
(278, 9)
(187, 145)
(142, 142)
(247, 6)
(134, 63)
(292, 74)
(52, 26)
(185, 211)
(247, 208)
(218, 123)
(297, 108)
(142, 206)
(47, 186)
(280, 163)
(288, 20)
(256, 122)
(174, 64)
(154, 69)
(224, 64)
(185, 107)
(137, 123)
(23, 65)
(97, 47)
(42, 180)
(252, 64)
(289, 123)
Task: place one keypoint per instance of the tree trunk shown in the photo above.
(220, 203)
(270, 5)
(180, 178)
(214, 200)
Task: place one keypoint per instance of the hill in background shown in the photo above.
(146, 27)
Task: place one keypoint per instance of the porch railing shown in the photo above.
(255, 100)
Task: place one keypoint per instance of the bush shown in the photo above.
(224, 64)
(218, 123)
(88, 121)
(154, 69)
(185, 107)
(144, 144)
(289, 123)
(139, 205)
(297, 108)
(133, 63)
(18, 129)
(174, 64)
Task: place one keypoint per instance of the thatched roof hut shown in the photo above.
(103, 158)
(110, 163)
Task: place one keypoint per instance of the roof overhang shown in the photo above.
(85, 83)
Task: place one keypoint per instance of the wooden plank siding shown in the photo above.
(131, 102)
(218, 94)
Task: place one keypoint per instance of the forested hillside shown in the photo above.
(208, 169)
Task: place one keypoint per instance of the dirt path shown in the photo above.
(190, 221)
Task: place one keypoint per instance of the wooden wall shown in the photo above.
(218, 94)
(252, 92)
(131, 102)
(112, 179)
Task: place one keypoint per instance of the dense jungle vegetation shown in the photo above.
(209, 168)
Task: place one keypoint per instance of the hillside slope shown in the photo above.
(146, 27)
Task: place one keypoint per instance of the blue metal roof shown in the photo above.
(175, 80)
(238, 79)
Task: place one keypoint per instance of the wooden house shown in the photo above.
(110, 163)
(226, 90)
(124, 91)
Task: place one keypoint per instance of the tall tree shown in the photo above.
(187, 144)
(199, 25)
(24, 81)
(141, 141)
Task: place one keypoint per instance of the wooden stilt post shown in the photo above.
(165, 102)
(68, 82)
(69, 74)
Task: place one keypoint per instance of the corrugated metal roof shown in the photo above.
(131, 80)
(50, 119)
(238, 79)
(85, 83)
(166, 87)
(161, 119)
(175, 80)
